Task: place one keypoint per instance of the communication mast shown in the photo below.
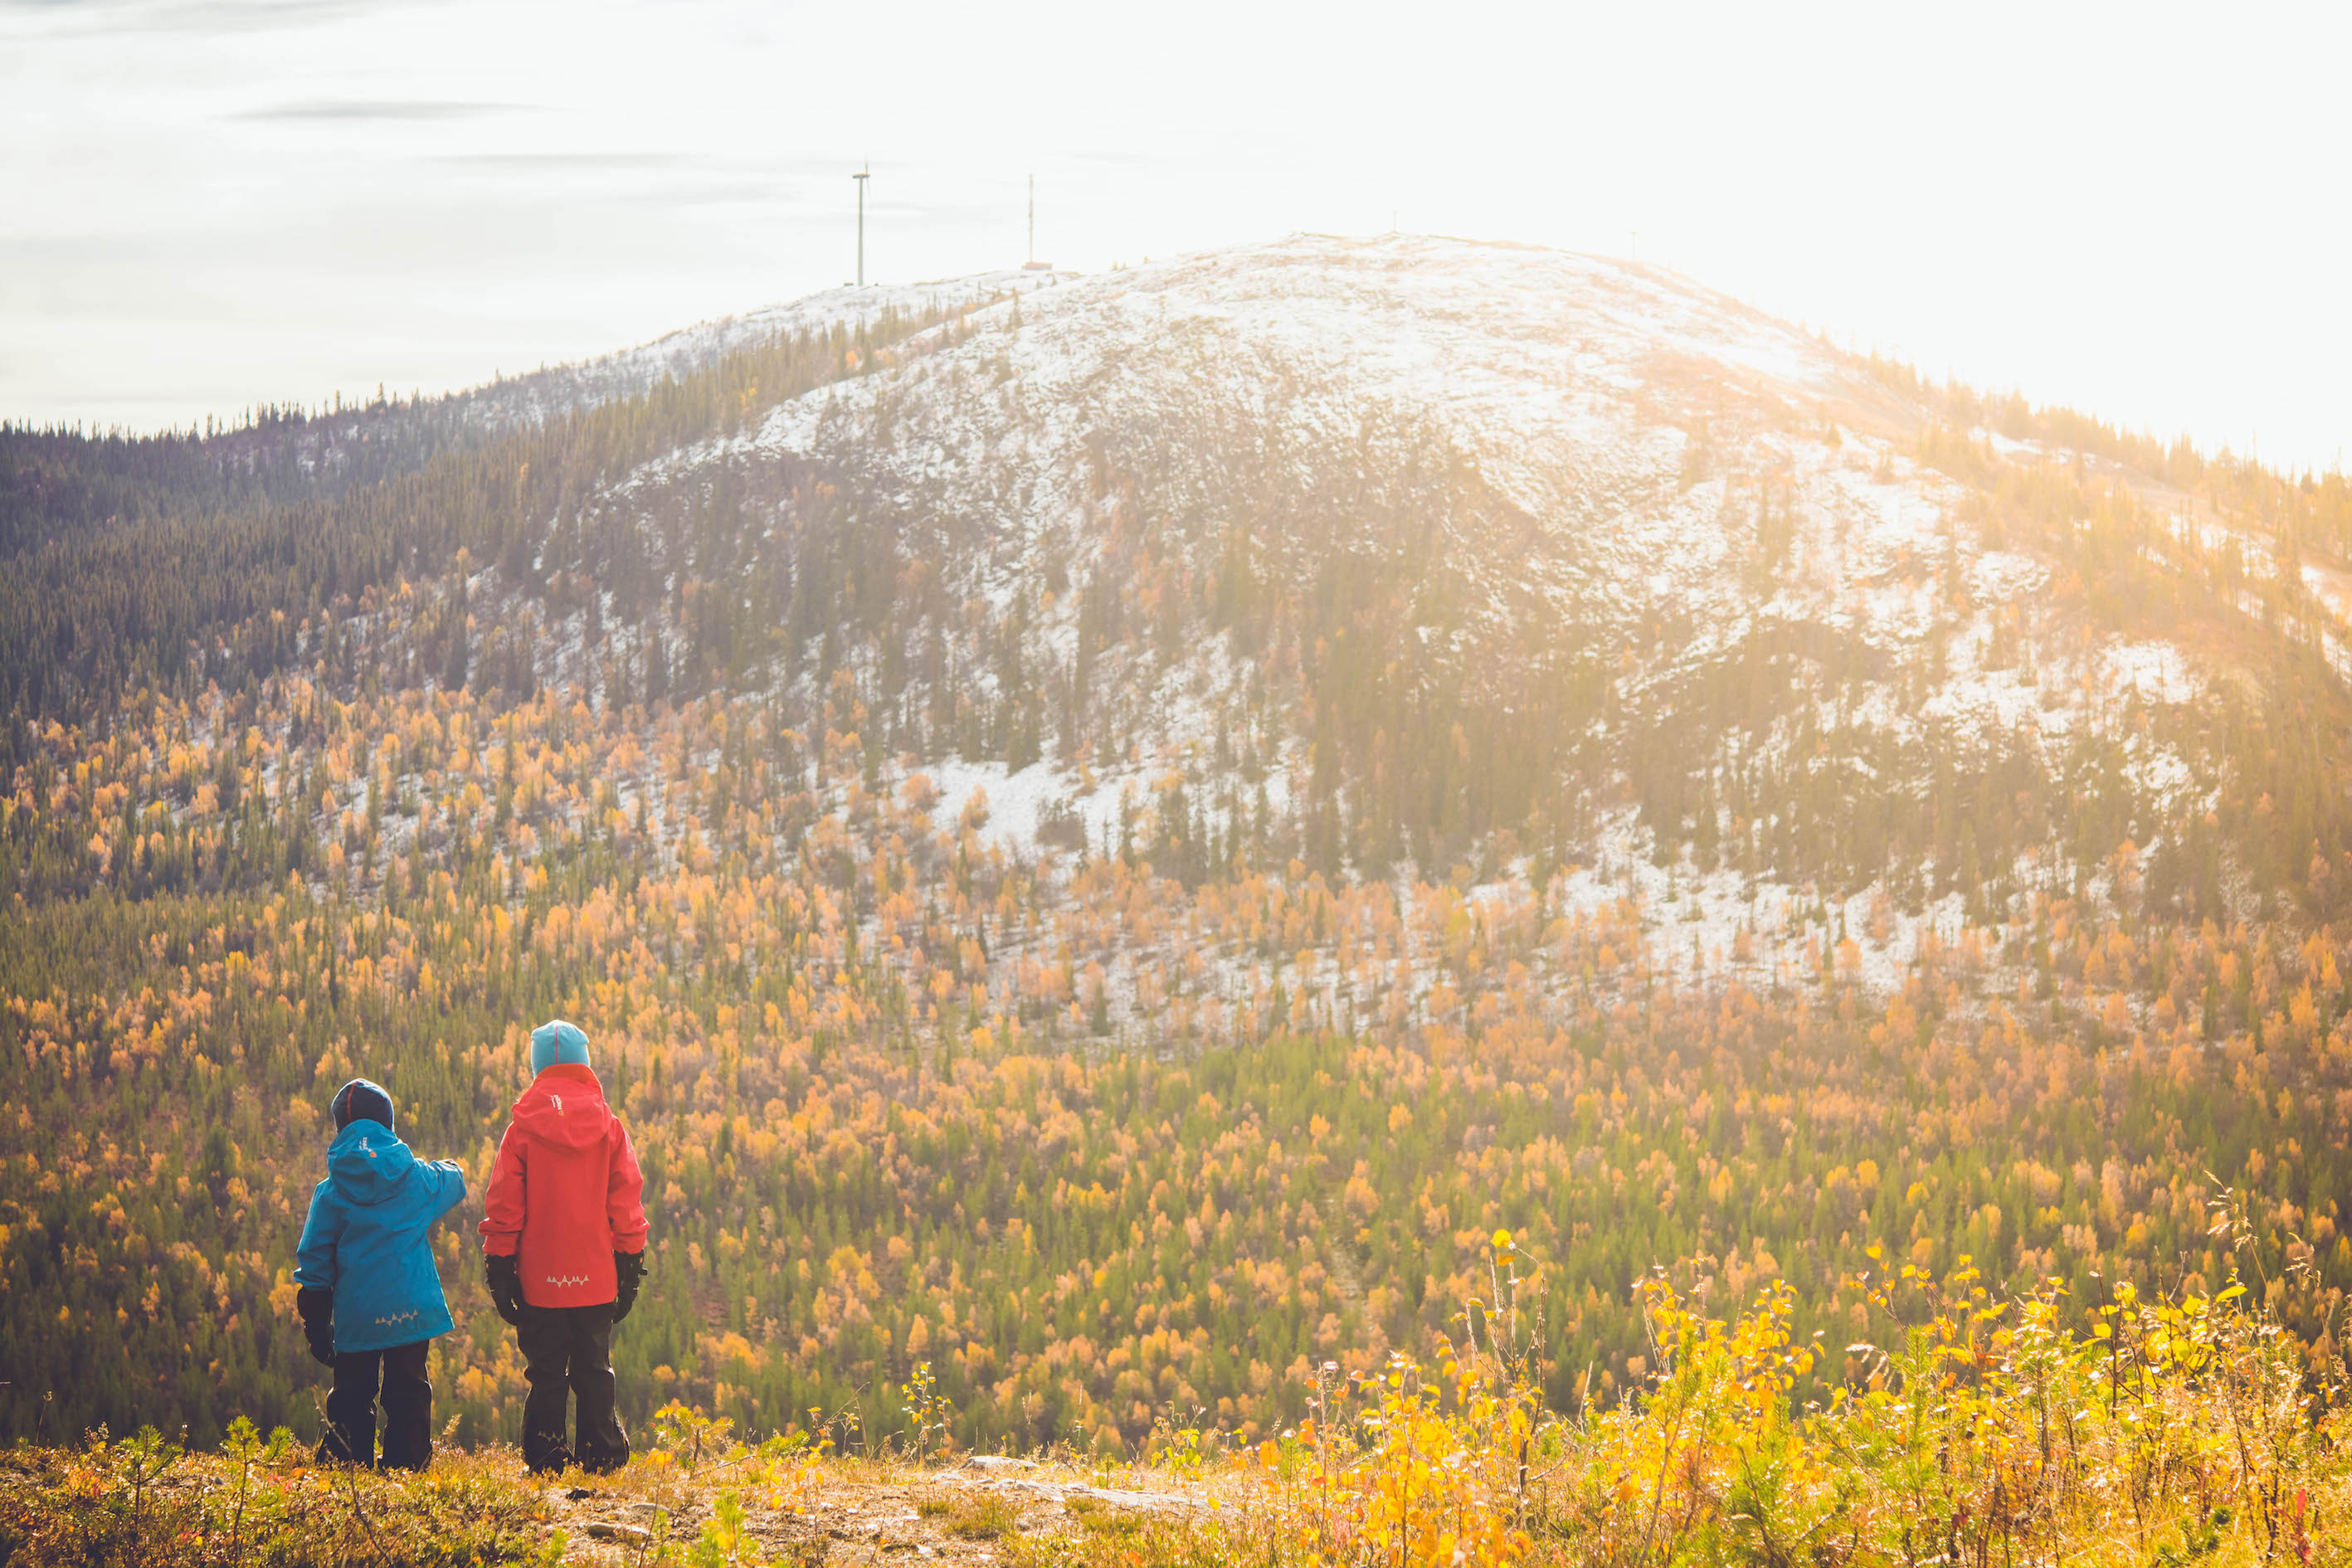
(1033, 264)
(861, 177)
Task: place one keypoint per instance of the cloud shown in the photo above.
(190, 15)
(535, 162)
(378, 108)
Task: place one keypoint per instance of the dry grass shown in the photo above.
(982, 1516)
(969, 1513)
(2176, 1433)
(142, 1500)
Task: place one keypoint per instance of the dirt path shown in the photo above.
(836, 1517)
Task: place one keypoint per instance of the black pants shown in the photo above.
(569, 1350)
(408, 1409)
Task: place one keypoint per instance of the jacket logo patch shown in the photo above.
(397, 1318)
(557, 1101)
(561, 1281)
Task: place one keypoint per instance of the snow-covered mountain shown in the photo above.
(1418, 558)
(1619, 427)
(542, 394)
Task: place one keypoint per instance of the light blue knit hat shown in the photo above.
(557, 1041)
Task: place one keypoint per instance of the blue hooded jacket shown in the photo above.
(365, 1239)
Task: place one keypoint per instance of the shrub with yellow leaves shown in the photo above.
(1414, 1467)
(1976, 1428)
(1986, 1430)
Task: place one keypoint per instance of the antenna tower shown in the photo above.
(861, 177)
(1033, 264)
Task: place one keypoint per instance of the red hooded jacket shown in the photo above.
(566, 1192)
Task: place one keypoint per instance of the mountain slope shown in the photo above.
(1439, 542)
(1107, 840)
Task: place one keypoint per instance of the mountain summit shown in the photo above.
(1402, 553)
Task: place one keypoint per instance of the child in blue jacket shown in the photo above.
(371, 1298)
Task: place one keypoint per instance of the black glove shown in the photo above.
(318, 1310)
(630, 1270)
(504, 1276)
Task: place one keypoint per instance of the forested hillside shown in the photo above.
(1106, 841)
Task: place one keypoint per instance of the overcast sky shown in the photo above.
(205, 204)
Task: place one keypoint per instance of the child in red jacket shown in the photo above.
(564, 1233)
